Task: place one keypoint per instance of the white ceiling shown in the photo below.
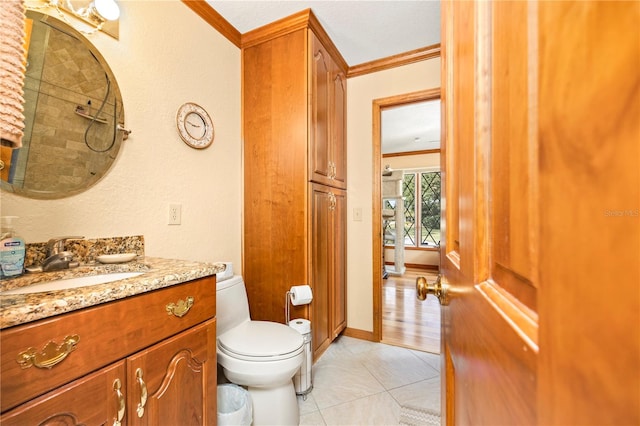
(364, 31)
(411, 127)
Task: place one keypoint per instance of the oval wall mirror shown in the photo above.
(73, 109)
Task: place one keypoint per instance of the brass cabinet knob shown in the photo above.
(424, 288)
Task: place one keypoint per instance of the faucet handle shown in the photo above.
(56, 245)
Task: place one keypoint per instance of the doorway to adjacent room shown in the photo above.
(406, 223)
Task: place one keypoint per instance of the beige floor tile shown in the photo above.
(421, 395)
(307, 405)
(432, 359)
(394, 366)
(312, 419)
(341, 381)
(378, 409)
(337, 350)
(357, 346)
(357, 382)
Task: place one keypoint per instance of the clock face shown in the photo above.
(195, 126)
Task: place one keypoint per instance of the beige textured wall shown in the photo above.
(361, 91)
(166, 56)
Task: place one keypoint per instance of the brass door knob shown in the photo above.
(424, 288)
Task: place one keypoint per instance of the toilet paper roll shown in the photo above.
(301, 295)
(301, 325)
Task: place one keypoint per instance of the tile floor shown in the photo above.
(357, 382)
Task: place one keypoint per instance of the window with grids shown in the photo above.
(421, 193)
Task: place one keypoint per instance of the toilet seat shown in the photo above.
(261, 341)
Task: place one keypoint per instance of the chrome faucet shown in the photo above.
(57, 257)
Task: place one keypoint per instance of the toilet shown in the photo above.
(262, 356)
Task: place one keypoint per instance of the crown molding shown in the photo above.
(406, 153)
(301, 20)
(417, 55)
(304, 19)
(217, 21)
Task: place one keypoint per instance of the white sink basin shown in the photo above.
(69, 283)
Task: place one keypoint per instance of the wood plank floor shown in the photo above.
(407, 321)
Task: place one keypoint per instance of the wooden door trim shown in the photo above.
(376, 233)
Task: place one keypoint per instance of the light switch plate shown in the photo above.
(357, 214)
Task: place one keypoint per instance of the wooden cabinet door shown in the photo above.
(541, 183)
(320, 223)
(328, 257)
(179, 377)
(327, 142)
(338, 232)
(92, 400)
(338, 145)
(320, 167)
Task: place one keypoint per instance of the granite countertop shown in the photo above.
(158, 273)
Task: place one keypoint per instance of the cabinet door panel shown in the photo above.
(180, 379)
(91, 400)
(320, 81)
(338, 128)
(338, 232)
(328, 220)
(320, 259)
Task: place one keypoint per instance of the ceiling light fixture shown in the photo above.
(100, 11)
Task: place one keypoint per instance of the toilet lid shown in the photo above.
(261, 339)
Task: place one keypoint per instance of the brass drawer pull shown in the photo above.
(180, 308)
(117, 385)
(51, 355)
(143, 393)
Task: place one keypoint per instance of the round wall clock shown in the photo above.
(194, 125)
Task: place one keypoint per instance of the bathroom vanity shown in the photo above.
(136, 351)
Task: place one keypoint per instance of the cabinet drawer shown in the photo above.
(106, 333)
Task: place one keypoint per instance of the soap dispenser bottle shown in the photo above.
(12, 250)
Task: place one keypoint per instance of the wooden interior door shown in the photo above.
(541, 187)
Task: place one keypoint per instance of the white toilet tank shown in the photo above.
(232, 305)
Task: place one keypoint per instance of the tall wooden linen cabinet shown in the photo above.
(294, 94)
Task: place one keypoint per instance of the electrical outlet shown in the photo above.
(175, 214)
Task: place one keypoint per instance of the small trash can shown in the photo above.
(303, 381)
(234, 406)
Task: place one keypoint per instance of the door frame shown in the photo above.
(376, 230)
